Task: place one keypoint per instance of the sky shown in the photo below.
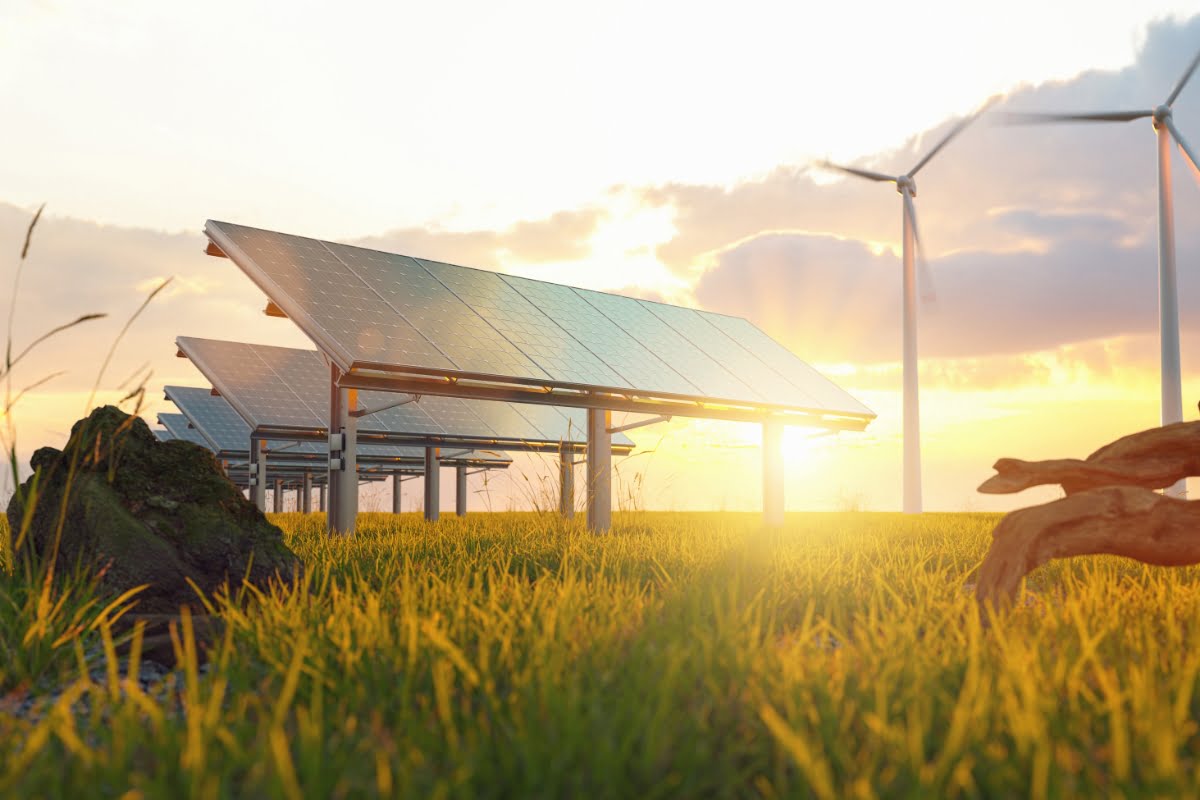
(660, 150)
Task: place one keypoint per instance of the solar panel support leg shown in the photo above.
(566, 483)
(321, 498)
(395, 492)
(277, 496)
(346, 510)
(306, 496)
(599, 470)
(460, 491)
(258, 455)
(433, 468)
(772, 475)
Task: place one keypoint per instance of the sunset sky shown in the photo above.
(660, 150)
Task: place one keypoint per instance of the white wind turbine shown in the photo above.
(911, 248)
(1168, 299)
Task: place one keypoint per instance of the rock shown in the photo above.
(140, 511)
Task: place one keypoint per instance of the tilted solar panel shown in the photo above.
(287, 388)
(212, 416)
(370, 310)
(177, 424)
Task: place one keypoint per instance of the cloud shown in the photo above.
(1068, 176)
(563, 236)
(835, 300)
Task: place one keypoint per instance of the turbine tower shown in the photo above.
(914, 259)
(1168, 297)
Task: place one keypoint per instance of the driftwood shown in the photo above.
(1109, 509)
(1152, 459)
(1116, 520)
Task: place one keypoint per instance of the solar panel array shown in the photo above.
(287, 388)
(369, 308)
(227, 432)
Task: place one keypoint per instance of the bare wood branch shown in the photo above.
(1152, 459)
(1116, 520)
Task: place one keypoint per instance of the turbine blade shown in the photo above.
(861, 173)
(954, 132)
(1188, 154)
(1036, 117)
(924, 276)
(1182, 82)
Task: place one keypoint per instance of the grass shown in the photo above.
(685, 655)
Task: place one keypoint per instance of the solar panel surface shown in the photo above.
(369, 309)
(177, 424)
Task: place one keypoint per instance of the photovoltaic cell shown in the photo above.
(465, 338)
(621, 352)
(177, 424)
(355, 317)
(561, 357)
(212, 416)
(758, 345)
(665, 342)
(162, 434)
(249, 384)
(729, 354)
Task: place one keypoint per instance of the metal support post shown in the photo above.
(460, 491)
(432, 485)
(772, 476)
(599, 470)
(321, 498)
(343, 461)
(566, 482)
(258, 471)
(306, 494)
(395, 492)
(277, 496)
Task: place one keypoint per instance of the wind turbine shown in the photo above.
(913, 259)
(1168, 298)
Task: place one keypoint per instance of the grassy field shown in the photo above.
(685, 655)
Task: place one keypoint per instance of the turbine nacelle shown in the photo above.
(1160, 116)
(906, 182)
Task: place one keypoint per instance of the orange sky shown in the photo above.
(1043, 342)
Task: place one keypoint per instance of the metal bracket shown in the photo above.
(337, 442)
(642, 424)
(366, 412)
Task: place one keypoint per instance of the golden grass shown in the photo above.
(683, 655)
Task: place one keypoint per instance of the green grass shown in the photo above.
(685, 655)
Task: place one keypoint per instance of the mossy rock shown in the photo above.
(140, 511)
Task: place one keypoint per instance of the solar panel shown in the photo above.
(282, 388)
(177, 424)
(162, 434)
(372, 310)
(212, 416)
